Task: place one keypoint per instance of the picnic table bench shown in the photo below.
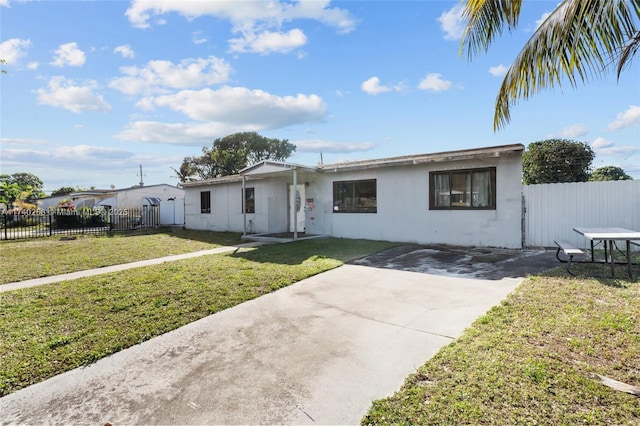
(610, 237)
(569, 250)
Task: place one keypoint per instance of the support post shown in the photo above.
(295, 206)
(244, 207)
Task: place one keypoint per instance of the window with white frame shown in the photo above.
(471, 189)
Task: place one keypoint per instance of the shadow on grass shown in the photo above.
(297, 252)
(211, 237)
(598, 269)
(599, 272)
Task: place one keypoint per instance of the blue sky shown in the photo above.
(96, 89)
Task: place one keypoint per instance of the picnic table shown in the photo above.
(609, 236)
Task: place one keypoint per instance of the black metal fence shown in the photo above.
(24, 224)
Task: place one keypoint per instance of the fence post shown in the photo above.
(50, 224)
(4, 219)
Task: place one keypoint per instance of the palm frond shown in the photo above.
(575, 42)
(629, 52)
(486, 20)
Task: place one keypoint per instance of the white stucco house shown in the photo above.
(168, 200)
(470, 197)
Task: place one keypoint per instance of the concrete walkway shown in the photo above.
(105, 270)
(316, 352)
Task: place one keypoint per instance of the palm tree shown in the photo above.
(578, 40)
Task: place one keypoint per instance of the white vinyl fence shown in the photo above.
(553, 210)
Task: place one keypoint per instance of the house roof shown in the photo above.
(267, 167)
(407, 160)
(214, 181)
(102, 192)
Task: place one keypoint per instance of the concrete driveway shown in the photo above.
(317, 352)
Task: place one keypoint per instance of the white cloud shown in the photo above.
(4, 3)
(452, 23)
(435, 83)
(179, 133)
(630, 117)
(268, 42)
(69, 54)
(400, 87)
(543, 18)
(223, 111)
(601, 143)
(64, 93)
(373, 87)
(239, 105)
(332, 147)
(259, 23)
(125, 50)
(33, 65)
(198, 38)
(21, 141)
(574, 131)
(271, 13)
(499, 70)
(605, 147)
(157, 76)
(14, 49)
(88, 151)
(60, 155)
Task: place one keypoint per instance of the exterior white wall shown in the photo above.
(135, 197)
(403, 213)
(553, 210)
(403, 208)
(226, 207)
(51, 202)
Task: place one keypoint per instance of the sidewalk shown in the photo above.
(114, 268)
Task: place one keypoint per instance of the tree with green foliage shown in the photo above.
(608, 173)
(20, 187)
(65, 190)
(555, 161)
(9, 192)
(232, 153)
(578, 40)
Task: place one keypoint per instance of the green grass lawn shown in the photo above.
(50, 329)
(532, 360)
(42, 257)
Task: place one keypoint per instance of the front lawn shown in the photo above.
(54, 328)
(42, 257)
(533, 360)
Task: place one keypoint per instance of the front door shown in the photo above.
(296, 208)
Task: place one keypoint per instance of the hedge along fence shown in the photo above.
(24, 224)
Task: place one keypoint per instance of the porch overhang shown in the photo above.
(267, 167)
